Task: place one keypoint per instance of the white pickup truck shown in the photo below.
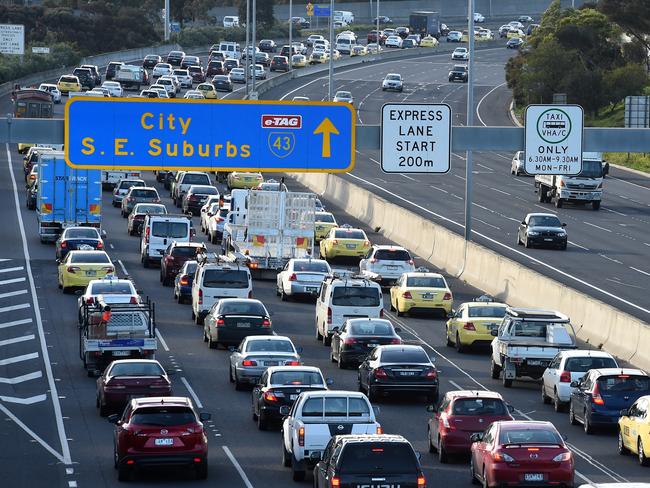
(527, 341)
(314, 418)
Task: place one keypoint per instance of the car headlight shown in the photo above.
(533, 233)
(561, 233)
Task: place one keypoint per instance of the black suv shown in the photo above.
(151, 60)
(351, 461)
(86, 77)
(279, 63)
(111, 70)
(458, 72)
(175, 58)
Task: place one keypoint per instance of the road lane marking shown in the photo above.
(119, 261)
(457, 385)
(22, 378)
(9, 270)
(13, 280)
(24, 401)
(578, 245)
(516, 251)
(408, 177)
(15, 322)
(65, 456)
(610, 259)
(546, 209)
(501, 191)
(597, 226)
(478, 106)
(614, 211)
(11, 308)
(16, 340)
(628, 182)
(18, 359)
(237, 467)
(13, 293)
(162, 341)
(192, 392)
(486, 223)
(640, 271)
(460, 177)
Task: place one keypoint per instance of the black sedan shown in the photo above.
(514, 43)
(222, 83)
(458, 72)
(280, 386)
(78, 238)
(230, 320)
(151, 60)
(357, 337)
(267, 46)
(543, 230)
(398, 368)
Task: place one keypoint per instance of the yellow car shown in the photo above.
(237, 179)
(634, 431)
(512, 33)
(68, 83)
(318, 57)
(207, 90)
(472, 324)
(324, 221)
(23, 147)
(421, 290)
(78, 268)
(344, 241)
(428, 41)
(299, 60)
(359, 51)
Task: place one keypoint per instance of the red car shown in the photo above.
(520, 453)
(175, 255)
(460, 414)
(128, 378)
(160, 431)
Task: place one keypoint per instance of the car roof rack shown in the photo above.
(485, 298)
(234, 258)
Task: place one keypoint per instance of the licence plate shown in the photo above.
(91, 273)
(533, 477)
(85, 247)
(548, 239)
(293, 397)
(164, 442)
(121, 353)
(372, 344)
(408, 373)
(311, 289)
(271, 363)
(427, 296)
(243, 325)
(535, 362)
(391, 267)
(351, 246)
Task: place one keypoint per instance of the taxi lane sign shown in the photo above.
(415, 138)
(223, 135)
(553, 139)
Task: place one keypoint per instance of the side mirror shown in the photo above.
(376, 410)
(203, 416)
(113, 419)
(329, 381)
(476, 437)
(563, 224)
(418, 455)
(299, 349)
(232, 348)
(139, 292)
(494, 332)
(565, 437)
(335, 329)
(431, 408)
(58, 261)
(523, 222)
(398, 329)
(575, 384)
(103, 234)
(625, 412)
(511, 409)
(284, 410)
(605, 169)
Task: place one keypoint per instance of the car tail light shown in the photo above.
(432, 373)
(200, 300)
(565, 456)
(270, 396)
(248, 362)
(410, 261)
(366, 243)
(596, 398)
(381, 313)
(133, 300)
(396, 341)
(445, 422)
(380, 373)
(100, 245)
(197, 460)
(329, 315)
(73, 269)
(266, 323)
(64, 244)
(250, 294)
(349, 341)
(130, 461)
(109, 269)
(292, 363)
(184, 280)
(293, 277)
(379, 430)
(221, 322)
(447, 296)
(502, 457)
(565, 377)
(146, 234)
(301, 437)
(407, 295)
(469, 326)
(373, 260)
(422, 482)
(335, 482)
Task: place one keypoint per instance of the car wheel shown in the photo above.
(507, 383)
(397, 311)
(371, 393)
(262, 421)
(495, 370)
(518, 239)
(449, 343)
(341, 363)
(318, 334)
(572, 415)
(283, 295)
(471, 471)
(66, 289)
(527, 243)
(286, 457)
(296, 473)
(201, 470)
(432, 448)
(123, 472)
(459, 346)
(586, 425)
(145, 261)
(327, 340)
(558, 406)
(622, 450)
(103, 409)
(485, 481)
(545, 398)
(238, 384)
(443, 457)
(559, 202)
(211, 344)
(643, 460)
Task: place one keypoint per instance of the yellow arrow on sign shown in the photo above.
(326, 128)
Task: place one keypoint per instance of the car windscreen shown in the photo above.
(378, 458)
(170, 229)
(89, 258)
(185, 251)
(529, 436)
(349, 234)
(591, 169)
(111, 288)
(205, 190)
(404, 356)
(426, 282)
(136, 369)
(479, 406)
(196, 179)
(335, 407)
(89, 233)
(244, 308)
(623, 383)
(163, 416)
(296, 378)
(313, 266)
(144, 193)
(531, 328)
(152, 209)
(584, 364)
(68, 79)
(225, 278)
(356, 296)
(392, 255)
(190, 267)
(325, 217)
(125, 185)
(265, 345)
(371, 328)
(486, 311)
(544, 221)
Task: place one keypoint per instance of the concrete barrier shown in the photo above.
(596, 322)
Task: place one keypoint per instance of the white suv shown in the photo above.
(184, 77)
(393, 81)
(385, 264)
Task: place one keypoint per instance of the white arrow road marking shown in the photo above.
(9, 270)
(18, 359)
(23, 401)
(21, 379)
(13, 323)
(7, 342)
(14, 307)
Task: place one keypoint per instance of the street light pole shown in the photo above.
(253, 42)
(166, 20)
(469, 123)
(377, 38)
(290, 34)
(331, 60)
(248, 34)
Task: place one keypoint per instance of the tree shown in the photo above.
(263, 9)
(632, 15)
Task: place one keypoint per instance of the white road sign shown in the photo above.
(12, 39)
(415, 138)
(40, 50)
(553, 144)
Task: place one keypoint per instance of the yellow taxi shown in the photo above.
(512, 33)
(237, 179)
(634, 430)
(299, 60)
(472, 324)
(324, 222)
(23, 147)
(428, 41)
(318, 57)
(359, 51)
(421, 290)
(78, 268)
(207, 90)
(344, 241)
(68, 83)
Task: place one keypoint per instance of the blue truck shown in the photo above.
(66, 196)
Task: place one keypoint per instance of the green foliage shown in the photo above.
(203, 36)
(263, 12)
(61, 54)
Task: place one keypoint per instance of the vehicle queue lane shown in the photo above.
(613, 240)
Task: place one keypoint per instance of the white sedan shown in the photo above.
(258, 71)
(193, 95)
(460, 53)
(394, 41)
(52, 90)
(301, 277)
(114, 88)
(184, 78)
(161, 69)
(111, 289)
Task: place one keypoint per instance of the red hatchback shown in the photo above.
(175, 256)
(515, 453)
(460, 414)
(160, 431)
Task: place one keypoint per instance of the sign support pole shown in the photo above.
(167, 17)
(377, 38)
(248, 38)
(469, 166)
(331, 60)
(290, 34)
(253, 42)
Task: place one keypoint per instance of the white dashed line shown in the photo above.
(597, 226)
(192, 392)
(640, 271)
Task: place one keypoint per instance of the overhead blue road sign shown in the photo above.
(321, 11)
(209, 135)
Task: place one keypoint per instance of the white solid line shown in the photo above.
(9, 270)
(19, 359)
(460, 177)
(15, 340)
(483, 166)
(478, 106)
(578, 245)
(408, 177)
(439, 189)
(72, 484)
(123, 268)
(192, 392)
(545, 208)
(22, 378)
(162, 341)
(501, 191)
(13, 293)
(4, 260)
(456, 385)
(629, 182)
(497, 243)
(56, 404)
(610, 259)
(640, 271)
(237, 467)
(14, 307)
(597, 226)
(614, 211)
(487, 223)
(24, 401)
(15, 322)
(12, 280)
(31, 433)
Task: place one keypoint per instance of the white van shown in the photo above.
(158, 231)
(344, 16)
(343, 298)
(231, 21)
(215, 280)
(344, 44)
(230, 49)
